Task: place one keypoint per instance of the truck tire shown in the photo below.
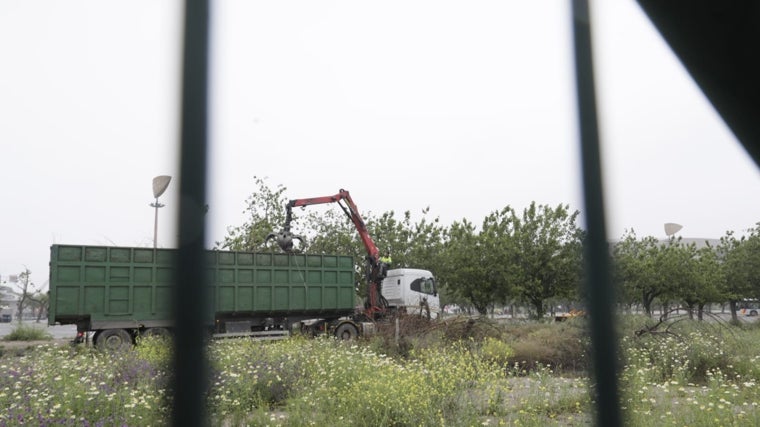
(753, 312)
(113, 340)
(346, 331)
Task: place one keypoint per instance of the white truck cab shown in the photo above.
(412, 289)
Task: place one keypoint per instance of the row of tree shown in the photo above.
(531, 257)
(686, 274)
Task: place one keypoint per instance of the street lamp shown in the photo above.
(672, 228)
(159, 186)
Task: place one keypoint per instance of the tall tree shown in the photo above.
(709, 280)
(533, 257)
(265, 210)
(29, 294)
(541, 252)
(327, 230)
(648, 269)
(636, 268)
(412, 244)
(466, 271)
(741, 267)
(678, 265)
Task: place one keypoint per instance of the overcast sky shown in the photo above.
(464, 107)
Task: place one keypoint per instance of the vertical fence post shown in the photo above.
(189, 379)
(601, 300)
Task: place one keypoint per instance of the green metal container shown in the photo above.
(124, 287)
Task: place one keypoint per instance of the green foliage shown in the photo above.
(353, 386)
(697, 375)
(544, 260)
(688, 351)
(465, 268)
(634, 268)
(496, 351)
(24, 332)
(328, 382)
(412, 244)
(248, 374)
(648, 269)
(531, 257)
(56, 385)
(706, 282)
(156, 350)
(463, 328)
(741, 266)
(265, 209)
(691, 373)
(559, 346)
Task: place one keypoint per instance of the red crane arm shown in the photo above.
(376, 270)
(350, 210)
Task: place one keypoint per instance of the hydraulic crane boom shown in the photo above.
(376, 269)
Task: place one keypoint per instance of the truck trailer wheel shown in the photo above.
(346, 332)
(113, 340)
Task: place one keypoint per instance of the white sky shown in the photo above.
(462, 106)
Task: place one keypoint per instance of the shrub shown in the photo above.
(496, 351)
(155, 349)
(476, 329)
(558, 345)
(28, 333)
(684, 350)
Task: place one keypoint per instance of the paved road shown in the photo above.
(58, 332)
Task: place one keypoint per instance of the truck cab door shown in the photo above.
(424, 292)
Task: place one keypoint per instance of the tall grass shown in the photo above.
(695, 375)
(691, 373)
(56, 385)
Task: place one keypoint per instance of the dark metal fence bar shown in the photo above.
(189, 379)
(599, 288)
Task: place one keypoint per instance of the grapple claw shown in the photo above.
(284, 239)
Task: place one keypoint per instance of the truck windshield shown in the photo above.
(426, 285)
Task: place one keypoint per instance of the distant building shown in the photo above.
(8, 303)
(697, 241)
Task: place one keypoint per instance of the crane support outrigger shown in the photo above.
(376, 270)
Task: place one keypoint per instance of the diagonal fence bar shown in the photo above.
(599, 288)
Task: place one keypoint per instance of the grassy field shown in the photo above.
(455, 373)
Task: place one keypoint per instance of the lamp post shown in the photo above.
(672, 228)
(159, 186)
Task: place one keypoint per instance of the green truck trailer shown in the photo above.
(116, 294)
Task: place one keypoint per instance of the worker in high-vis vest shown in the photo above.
(385, 263)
